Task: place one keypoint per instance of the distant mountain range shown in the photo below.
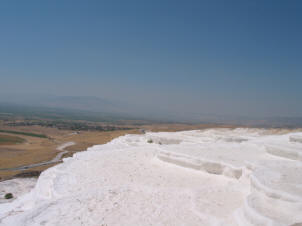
(88, 103)
(99, 109)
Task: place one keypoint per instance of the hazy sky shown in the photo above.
(223, 57)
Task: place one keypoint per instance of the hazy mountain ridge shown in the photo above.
(100, 109)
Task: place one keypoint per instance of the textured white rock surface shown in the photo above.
(17, 187)
(210, 177)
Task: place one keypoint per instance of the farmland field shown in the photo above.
(8, 140)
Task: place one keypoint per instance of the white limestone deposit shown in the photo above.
(17, 186)
(210, 177)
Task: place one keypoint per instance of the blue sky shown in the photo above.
(220, 57)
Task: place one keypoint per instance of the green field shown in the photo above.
(24, 133)
(6, 139)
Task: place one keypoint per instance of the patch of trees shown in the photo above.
(66, 125)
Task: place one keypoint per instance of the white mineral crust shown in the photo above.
(210, 177)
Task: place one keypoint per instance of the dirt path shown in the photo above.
(56, 159)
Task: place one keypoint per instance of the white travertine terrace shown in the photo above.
(17, 186)
(218, 177)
